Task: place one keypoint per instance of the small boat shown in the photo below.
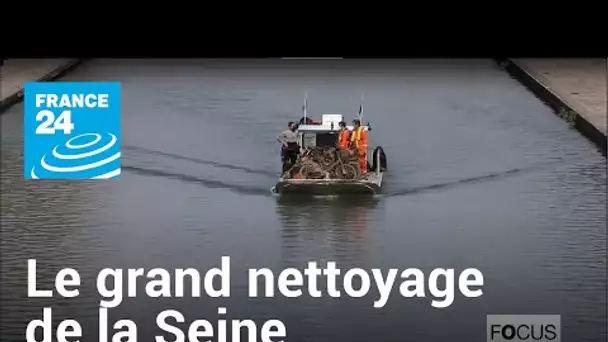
(324, 133)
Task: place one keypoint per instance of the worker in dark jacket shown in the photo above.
(290, 149)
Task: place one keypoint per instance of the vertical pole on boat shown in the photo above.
(305, 105)
(361, 111)
(304, 109)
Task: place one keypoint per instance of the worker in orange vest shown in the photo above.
(343, 136)
(358, 140)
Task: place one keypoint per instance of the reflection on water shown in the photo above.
(335, 228)
(481, 175)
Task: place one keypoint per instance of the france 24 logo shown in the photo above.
(72, 130)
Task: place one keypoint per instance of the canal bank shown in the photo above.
(15, 72)
(574, 88)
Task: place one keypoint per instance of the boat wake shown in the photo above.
(212, 184)
(446, 185)
(201, 161)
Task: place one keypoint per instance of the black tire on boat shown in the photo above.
(383, 160)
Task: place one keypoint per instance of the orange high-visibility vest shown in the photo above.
(344, 139)
(359, 138)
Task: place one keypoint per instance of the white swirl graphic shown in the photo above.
(73, 157)
(86, 154)
(97, 139)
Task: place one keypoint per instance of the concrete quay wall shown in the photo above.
(15, 72)
(576, 88)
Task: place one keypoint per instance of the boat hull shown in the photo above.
(371, 186)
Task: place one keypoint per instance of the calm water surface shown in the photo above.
(482, 174)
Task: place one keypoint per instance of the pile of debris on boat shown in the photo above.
(325, 163)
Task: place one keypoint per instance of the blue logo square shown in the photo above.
(72, 130)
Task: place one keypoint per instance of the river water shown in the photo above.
(482, 174)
